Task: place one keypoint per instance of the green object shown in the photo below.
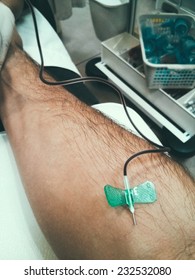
(141, 194)
(115, 197)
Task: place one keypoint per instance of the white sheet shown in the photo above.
(54, 52)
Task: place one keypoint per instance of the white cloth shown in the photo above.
(54, 52)
(6, 19)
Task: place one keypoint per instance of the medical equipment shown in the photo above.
(168, 47)
(6, 29)
(166, 108)
(142, 194)
(130, 192)
(161, 149)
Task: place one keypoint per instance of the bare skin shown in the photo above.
(67, 152)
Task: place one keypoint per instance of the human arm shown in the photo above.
(66, 152)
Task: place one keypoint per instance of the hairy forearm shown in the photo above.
(66, 152)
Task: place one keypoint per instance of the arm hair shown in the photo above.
(66, 152)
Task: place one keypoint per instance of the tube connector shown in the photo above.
(144, 193)
(129, 198)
